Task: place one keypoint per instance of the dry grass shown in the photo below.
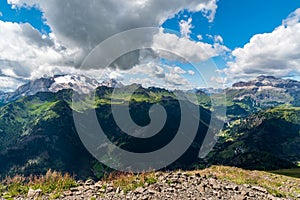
(278, 185)
(52, 182)
(129, 181)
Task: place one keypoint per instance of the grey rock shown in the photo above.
(260, 189)
(90, 182)
(139, 190)
(34, 193)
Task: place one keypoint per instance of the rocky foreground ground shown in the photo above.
(172, 185)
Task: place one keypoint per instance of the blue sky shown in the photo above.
(31, 15)
(238, 20)
(240, 29)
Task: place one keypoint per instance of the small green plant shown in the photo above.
(150, 180)
(104, 187)
(55, 195)
(169, 182)
(129, 181)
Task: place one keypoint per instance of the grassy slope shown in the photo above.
(288, 172)
(38, 133)
(278, 185)
(267, 140)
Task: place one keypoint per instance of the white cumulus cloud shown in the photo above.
(185, 27)
(191, 72)
(77, 27)
(276, 53)
(185, 48)
(85, 24)
(24, 50)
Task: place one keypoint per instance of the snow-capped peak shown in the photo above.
(78, 83)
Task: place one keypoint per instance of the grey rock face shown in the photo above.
(266, 91)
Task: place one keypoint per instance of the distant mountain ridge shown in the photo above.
(259, 88)
(80, 84)
(271, 81)
(265, 91)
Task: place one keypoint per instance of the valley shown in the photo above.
(37, 131)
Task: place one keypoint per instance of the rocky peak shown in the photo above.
(112, 83)
(267, 91)
(79, 83)
(268, 81)
(30, 88)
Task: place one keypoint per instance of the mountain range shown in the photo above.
(78, 83)
(266, 91)
(37, 130)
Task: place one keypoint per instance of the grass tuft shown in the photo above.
(51, 183)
